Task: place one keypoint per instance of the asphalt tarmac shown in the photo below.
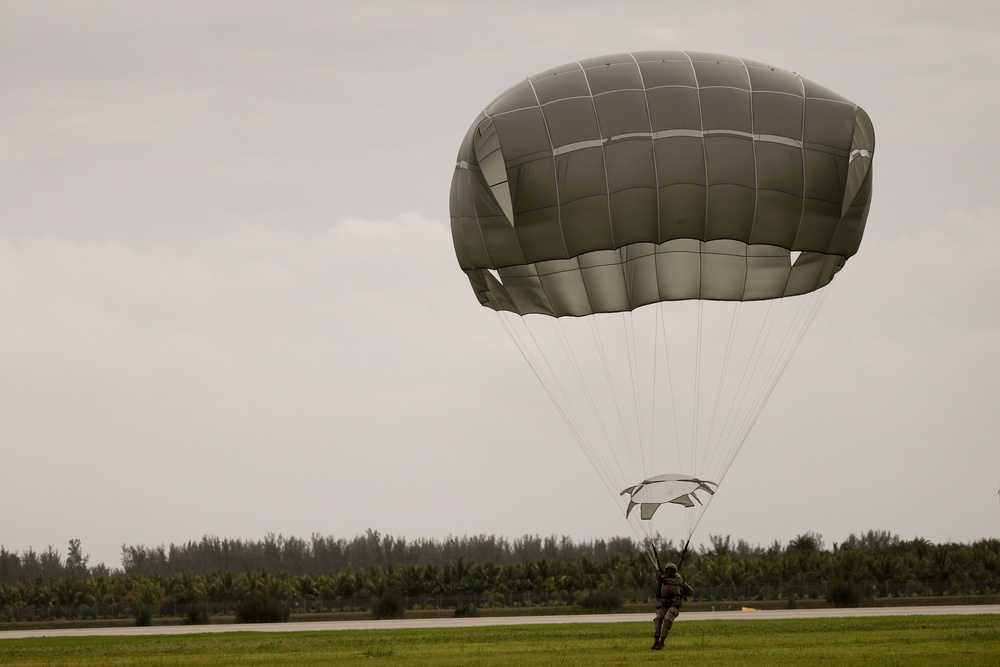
(326, 626)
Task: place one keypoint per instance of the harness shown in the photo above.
(670, 590)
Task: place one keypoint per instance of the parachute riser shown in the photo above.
(655, 556)
(683, 554)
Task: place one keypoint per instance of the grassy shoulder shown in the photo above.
(906, 640)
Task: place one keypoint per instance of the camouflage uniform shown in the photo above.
(670, 593)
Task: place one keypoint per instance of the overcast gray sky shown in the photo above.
(229, 303)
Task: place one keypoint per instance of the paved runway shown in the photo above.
(325, 626)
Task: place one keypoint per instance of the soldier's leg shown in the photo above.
(668, 620)
(658, 625)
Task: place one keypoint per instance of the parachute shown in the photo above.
(655, 231)
(669, 488)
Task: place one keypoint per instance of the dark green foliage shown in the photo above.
(144, 596)
(76, 561)
(143, 616)
(389, 604)
(197, 614)
(843, 594)
(261, 607)
(602, 600)
(324, 554)
(806, 543)
(875, 557)
(463, 571)
(466, 611)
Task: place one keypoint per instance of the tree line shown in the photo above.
(300, 573)
(318, 555)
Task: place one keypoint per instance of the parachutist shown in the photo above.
(643, 222)
(671, 591)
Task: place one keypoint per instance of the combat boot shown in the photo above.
(657, 643)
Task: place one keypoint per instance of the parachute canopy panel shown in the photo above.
(661, 489)
(615, 182)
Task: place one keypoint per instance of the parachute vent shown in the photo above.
(491, 161)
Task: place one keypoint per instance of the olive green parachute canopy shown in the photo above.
(614, 182)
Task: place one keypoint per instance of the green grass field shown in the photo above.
(903, 640)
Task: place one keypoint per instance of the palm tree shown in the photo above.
(306, 590)
(102, 590)
(712, 570)
(885, 567)
(849, 565)
(69, 594)
(347, 584)
(189, 590)
(146, 595)
(226, 586)
(807, 543)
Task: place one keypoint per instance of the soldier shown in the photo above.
(670, 594)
